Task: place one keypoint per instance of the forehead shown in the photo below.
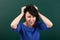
(28, 14)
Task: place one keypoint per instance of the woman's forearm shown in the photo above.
(46, 20)
(16, 21)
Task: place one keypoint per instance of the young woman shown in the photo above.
(30, 29)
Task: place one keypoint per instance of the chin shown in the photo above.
(31, 24)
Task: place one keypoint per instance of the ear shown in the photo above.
(36, 7)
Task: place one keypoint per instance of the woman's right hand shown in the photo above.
(22, 9)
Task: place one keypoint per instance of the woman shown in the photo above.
(30, 29)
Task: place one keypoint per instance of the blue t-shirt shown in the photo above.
(27, 33)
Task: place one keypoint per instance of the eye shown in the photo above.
(34, 17)
(29, 16)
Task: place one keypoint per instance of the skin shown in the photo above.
(30, 20)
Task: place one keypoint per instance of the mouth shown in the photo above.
(31, 23)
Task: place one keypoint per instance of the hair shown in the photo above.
(32, 10)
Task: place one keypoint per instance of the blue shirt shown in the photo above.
(27, 33)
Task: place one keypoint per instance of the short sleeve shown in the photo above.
(18, 28)
(42, 26)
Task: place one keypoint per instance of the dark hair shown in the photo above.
(32, 10)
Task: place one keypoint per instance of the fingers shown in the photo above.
(22, 9)
(36, 7)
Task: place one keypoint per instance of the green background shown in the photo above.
(9, 9)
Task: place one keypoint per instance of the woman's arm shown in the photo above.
(15, 22)
(46, 20)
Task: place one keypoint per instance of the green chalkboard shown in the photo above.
(9, 9)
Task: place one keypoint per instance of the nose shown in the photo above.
(32, 19)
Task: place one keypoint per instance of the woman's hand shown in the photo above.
(36, 7)
(22, 9)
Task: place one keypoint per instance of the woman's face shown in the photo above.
(30, 20)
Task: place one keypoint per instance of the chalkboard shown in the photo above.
(9, 9)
